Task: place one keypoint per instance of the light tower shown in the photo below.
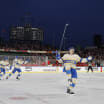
(66, 25)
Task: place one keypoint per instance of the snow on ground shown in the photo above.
(50, 88)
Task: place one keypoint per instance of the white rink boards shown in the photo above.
(50, 69)
(50, 88)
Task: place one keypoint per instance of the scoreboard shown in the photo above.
(26, 33)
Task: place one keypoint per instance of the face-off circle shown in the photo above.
(18, 98)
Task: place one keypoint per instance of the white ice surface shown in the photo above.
(50, 88)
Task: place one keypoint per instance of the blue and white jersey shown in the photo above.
(1, 62)
(4, 64)
(18, 62)
(71, 60)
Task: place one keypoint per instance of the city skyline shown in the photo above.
(85, 18)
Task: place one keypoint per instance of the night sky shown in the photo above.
(85, 17)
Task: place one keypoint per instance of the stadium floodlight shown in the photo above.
(66, 25)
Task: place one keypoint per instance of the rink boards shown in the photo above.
(51, 69)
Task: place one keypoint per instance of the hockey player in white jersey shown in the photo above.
(16, 67)
(3, 65)
(70, 60)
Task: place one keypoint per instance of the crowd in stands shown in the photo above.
(26, 46)
(96, 53)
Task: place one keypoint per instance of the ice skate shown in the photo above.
(7, 77)
(17, 78)
(70, 92)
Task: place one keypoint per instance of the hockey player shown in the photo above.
(17, 67)
(70, 60)
(3, 64)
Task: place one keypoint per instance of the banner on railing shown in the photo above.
(29, 51)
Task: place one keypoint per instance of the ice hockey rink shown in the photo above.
(50, 88)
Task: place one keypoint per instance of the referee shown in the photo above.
(90, 66)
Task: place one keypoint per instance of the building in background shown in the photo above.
(26, 33)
